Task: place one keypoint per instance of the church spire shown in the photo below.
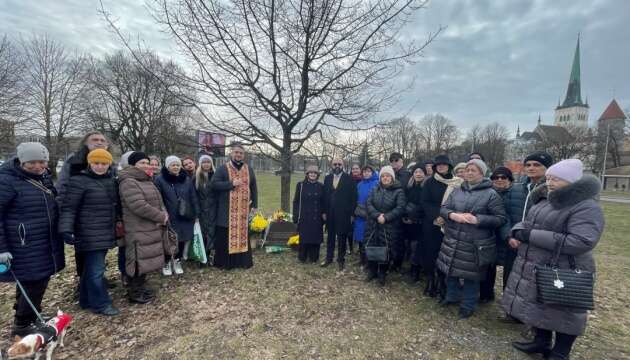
(518, 131)
(574, 96)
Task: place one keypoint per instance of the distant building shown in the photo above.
(611, 126)
(573, 112)
(538, 139)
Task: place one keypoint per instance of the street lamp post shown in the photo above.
(605, 155)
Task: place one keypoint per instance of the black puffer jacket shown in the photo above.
(28, 224)
(90, 208)
(207, 209)
(467, 249)
(173, 187)
(390, 201)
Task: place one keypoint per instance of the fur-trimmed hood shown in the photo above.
(587, 187)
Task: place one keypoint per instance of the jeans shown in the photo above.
(468, 294)
(93, 288)
(24, 314)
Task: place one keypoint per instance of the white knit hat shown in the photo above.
(170, 160)
(32, 151)
(387, 170)
(570, 170)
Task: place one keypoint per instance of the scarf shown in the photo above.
(238, 210)
(451, 184)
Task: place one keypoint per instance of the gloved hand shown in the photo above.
(522, 235)
(68, 238)
(5, 257)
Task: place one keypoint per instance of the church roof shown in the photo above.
(530, 136)
(612, 112)
(574, 91)
(556, 133)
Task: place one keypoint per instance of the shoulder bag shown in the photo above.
(379, 254)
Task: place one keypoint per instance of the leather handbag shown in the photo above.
(379, 254)
(571, 287)
(184, 208)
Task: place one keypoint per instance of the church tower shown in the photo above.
(573, 112)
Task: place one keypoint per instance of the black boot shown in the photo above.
(429, 290)
(413, 276)
(540, 345)
(22, 329)
(381, 278)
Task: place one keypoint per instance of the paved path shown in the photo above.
(623, 200)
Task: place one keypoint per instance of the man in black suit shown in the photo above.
(340, 194)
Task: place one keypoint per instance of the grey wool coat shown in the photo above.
(468, 249)
(571, 214)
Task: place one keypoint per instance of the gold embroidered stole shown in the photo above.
(238, 210)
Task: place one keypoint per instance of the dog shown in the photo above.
(47, 337)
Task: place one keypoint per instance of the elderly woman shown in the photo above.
(369, 182)
(385, 209)
(180, 199)
(565, 215)
(308, 214)
(28, 230)
(207, 200)
(472, 212)
(413, 219)
(145, 218)
(89, 213)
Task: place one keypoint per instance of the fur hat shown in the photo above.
(32, 151)
(387, 170)
(570, 170)
(135, 157)
(170, 160)
(100, 156)
(479, 164)
(442, 159)
(540, 156)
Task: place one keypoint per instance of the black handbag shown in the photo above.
(379, 254)
(564, 287)
(184, 209)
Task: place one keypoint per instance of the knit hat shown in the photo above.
(502, 170)
(203, 158)
(135, 157)
(170, 160)
(461, 165)
(124, 159)
(312, 168)
(387, 170)
(479, 164)
(32, 151)
(100, 156)
(568, 170)
(540, 156)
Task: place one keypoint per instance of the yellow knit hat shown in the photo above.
(100, 156)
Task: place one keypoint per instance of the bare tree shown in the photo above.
(11, 73)
(277, 72)
(493, 142)
(54, 93)
(139, 110)
(437, 134)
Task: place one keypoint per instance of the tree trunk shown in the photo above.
(285, 177)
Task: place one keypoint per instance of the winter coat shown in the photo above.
(207, 210)
(468, 249)
(432, 194)
(570, 214)
(402, 176)
(360, 214)
(90, 209)
(173, 188)
(143, 216)
(28, 224)
(391, 202)
(514, 202)
(414, 210)
(221, 185)
(340, 203)
(308, 207)
(528, 186)
(73, 165)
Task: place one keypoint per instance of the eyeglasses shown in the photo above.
(499, 177)
(534, 164)
(337, 164)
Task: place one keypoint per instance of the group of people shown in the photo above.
(456, 224)
(453, 223)
(146, 210)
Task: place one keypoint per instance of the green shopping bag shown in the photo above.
(196, 249)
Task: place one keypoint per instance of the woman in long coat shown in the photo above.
(473, 212)
(176, 186)
(207, 200)
(385, 208)
(89, 213)
(567, 215)
(434, 194)
(413, 219)
(369, 182)
(308, 211)
(145, 218)
(28, 230)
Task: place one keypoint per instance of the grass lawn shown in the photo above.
(622, 194)
(282, 309)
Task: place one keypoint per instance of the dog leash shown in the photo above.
(28, 300)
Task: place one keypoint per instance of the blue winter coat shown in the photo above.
(363, 189)
(172, 187)
(513, 201)
(28, 224)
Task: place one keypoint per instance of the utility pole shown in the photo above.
(605, 154)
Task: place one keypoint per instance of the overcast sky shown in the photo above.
(498, 60)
